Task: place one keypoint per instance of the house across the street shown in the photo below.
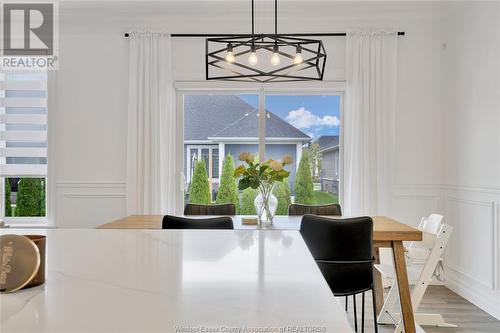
(329, 173)
(217, 125)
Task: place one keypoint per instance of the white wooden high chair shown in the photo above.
(424, 261)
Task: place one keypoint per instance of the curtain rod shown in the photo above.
(320, 34)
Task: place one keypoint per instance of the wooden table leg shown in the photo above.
(377, 280)
(403, 286)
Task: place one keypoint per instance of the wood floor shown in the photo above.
(438, 299)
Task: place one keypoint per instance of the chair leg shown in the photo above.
(363, 313)
(346, 301)
(375, 325)
(355, 314)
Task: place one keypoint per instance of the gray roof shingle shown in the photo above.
(226, 116)
(327, 141)
(203, 114)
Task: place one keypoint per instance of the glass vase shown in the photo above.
(266, 204)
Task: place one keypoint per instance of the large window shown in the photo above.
(23, 144)
(305, 126)
(215, 125)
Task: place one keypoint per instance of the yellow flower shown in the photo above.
(276, 165)
(287, 159)
(250, 158)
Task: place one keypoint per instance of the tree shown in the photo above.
(316, 159)
(304, 188)
(228, 190)
(30, 197)
(8, 206)
(248, 197)
(199, 192)
(282, 192)
(42, 197)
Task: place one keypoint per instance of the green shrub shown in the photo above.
(30, 197)
(228, 190)
(8, 206)
(304, 188)
(199, 192)
(282, 192)
(248, 197)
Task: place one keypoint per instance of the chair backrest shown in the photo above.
(177, 222)
(197, 209)
(432, 223)
(343, 249)
(430, 227)
(325, 210)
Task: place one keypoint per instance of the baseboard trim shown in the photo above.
(484, 298)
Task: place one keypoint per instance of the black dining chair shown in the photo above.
(325, 210)
(177, 222)
(198, 209)
(343, 250)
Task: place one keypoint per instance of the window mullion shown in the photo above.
(262, 126)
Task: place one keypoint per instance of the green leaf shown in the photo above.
(244, 183)
(263, 168)
(254, 183)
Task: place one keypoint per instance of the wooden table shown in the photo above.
(386, 233)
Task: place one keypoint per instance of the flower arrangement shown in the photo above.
(262, 176)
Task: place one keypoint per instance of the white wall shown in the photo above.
(472, 142)
(447, 144)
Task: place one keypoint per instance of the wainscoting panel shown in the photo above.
(471, 248)
(89, 204)
(472, 258)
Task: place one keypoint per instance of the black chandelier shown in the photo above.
(264, 57)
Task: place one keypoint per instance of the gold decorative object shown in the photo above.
(22, 260)
(249, 220)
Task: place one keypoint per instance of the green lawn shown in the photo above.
(321, 198)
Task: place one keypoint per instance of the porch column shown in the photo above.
(298, 155)
(222, 156)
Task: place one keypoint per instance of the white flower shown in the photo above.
(246, 157)
(287, 159)
(276, 165)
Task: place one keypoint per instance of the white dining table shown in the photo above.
(174, 281)
(387, 233)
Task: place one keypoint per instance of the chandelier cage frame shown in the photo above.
(310, 68)
(244, 44)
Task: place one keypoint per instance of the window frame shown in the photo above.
(199, 147)
(35, 221)
(336, 88)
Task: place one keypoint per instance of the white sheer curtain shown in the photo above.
(153, 173)
(368, 127)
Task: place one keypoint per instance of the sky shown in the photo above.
(315, 115)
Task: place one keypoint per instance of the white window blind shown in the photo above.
(23, 123)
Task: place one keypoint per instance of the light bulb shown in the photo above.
(230, 57)
(275, 59)
(297, 60)
(252, 59)
(229, 54)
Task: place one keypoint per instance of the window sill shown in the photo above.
(29, 226)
